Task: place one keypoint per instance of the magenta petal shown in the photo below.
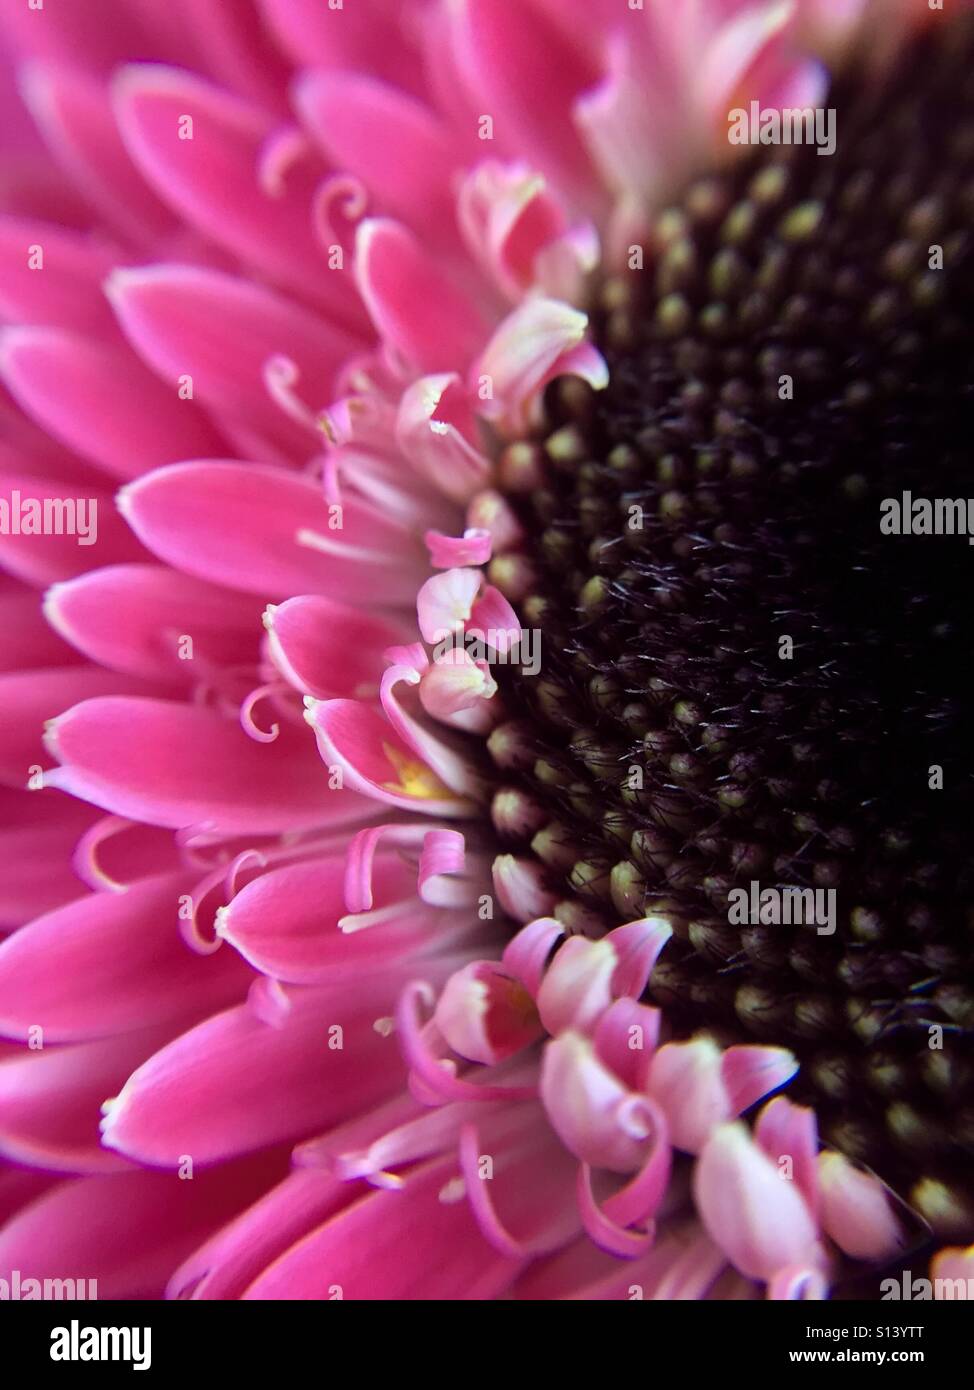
(41, 829)
(29, 642)
(421, 1241)
(110, 962)
(415, 310)
(750, 1072)
(218, 332)
(363, 35)
(136, 618)
(286, 923)
(74, 114)
(101, 401)
(211, 178)
(46, 559)
(180, 765)
(233, 1257)
(268, 532)
(50, 1100)
(316, 1051)
(128, 1230)
(68, 294)
(399, 149)
(785, 1130)
(376, 762)
(29, 698)
(325, 648)
(511, 55)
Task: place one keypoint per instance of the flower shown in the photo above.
(307, 898)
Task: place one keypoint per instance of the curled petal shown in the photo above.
(445, 602)
(577, 987)
(753, 1212)
(685, 1078)
(526, 954)
(784, 1130)
(455, 685)
(593, 1113)
(540, 340)
(856, 1210)
(436, 430)
(485, 1015)
(446, 552)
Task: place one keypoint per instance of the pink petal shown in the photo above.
(181, 765)
(857, 1212)
(101, 401)
(211, 179)
(219, 332)
(376, 762)
(755, 1215)
(109, 962)
(45, 559)
(128, 1230)
(415, 310)
(577, 986)
(269, 532)
(535, 343)
(282, 1042)
(785, 1130)
(225, 1264)
(137, 618)
(68, 293)
(594, 1114)
(445, 602)
(527, 76)
(50, 1099)
(456, 690)
(399, 148)
(437, 432)
(325, 648)
(750, 1072)
(625, 1039)
(41, 829)
(446, 552)
(74, 114)
(685, 1078)
(292, 923)
(363, 36)
(29, 642)
(30, 698)
(485, 1015)
(417, 1242)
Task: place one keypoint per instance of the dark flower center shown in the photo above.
(746, 684)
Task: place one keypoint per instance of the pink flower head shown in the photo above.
(323, 882)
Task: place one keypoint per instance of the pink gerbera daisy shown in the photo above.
(487, 796)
